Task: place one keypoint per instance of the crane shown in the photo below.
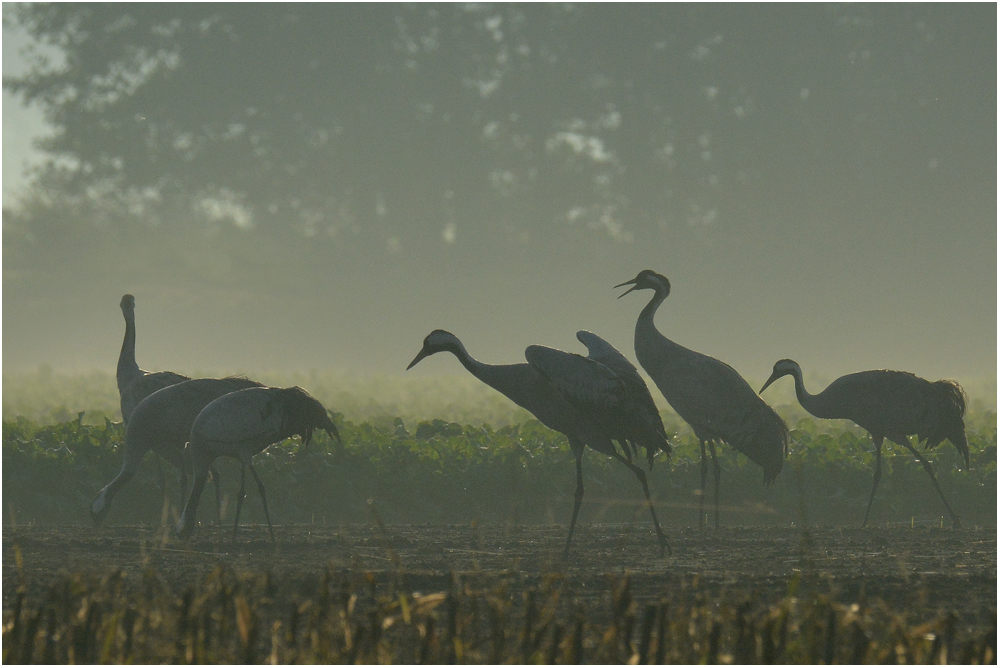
(547, 398)
(162, 423)
(893, 405)
(708, 394)
(242, 424)
(134, 384)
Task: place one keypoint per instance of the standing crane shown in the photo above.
(242, 424)
(559, 389)
(893, 405)
(708, 394)
(162, 423)
(134, 384)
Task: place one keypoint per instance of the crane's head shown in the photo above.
(437, 341)
(127, 303)
(647, 279)
(782, 368)
(305, 414)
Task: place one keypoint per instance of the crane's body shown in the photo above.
(161, 423)
(134, 384)
(644, 426)
(709, 395)
(558, 399)
(889, 404)
(242, 424)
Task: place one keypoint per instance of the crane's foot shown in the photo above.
(665, 550)
(956, 523)
(565, 553)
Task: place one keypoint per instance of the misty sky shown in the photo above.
(817, 183)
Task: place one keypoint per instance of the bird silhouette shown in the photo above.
(708, 394)
(242, 424)
(162, 423)
(134, 384)
(893, 405)
(548, 398)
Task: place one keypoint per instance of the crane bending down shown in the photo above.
(708, 394)
(134, 384)
(162, 423)
(548, 399)
(893, 405)
(242, 424)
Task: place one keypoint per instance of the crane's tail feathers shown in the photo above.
(952, 395)
(662, 446)
(764, 440)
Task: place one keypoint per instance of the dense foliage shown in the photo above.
(446, 472)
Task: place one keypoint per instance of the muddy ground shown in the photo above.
(916, 569)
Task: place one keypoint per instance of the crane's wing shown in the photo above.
(239, 417)
(145, 385)
(601, 351)
(584, 382)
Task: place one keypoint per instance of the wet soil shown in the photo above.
(919, 569)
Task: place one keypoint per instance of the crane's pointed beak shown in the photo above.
(774, 377)
(422, 354)
(622, 285)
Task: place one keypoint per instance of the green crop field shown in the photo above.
(453, 450)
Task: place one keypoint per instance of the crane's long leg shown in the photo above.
(263, 498)
(701, 497)
(239, 497)
(101, 504)
(955, 521)
(877, 440)
(181, 461)
(186, 523)
(161, 480)
(577, 449)
(217, 479)
(184, 480)
(717, 474)
(641, 475)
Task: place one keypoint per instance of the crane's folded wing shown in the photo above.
(581, 380)
(245, 415)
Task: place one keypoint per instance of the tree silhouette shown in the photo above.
(343, 121)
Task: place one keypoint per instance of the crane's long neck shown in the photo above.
(128, 370)
(478, 369)
(646, 332)
(646, 316)
(811, 402)
(500, 377)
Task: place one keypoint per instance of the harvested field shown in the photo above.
(917, 578)
(944, 568)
